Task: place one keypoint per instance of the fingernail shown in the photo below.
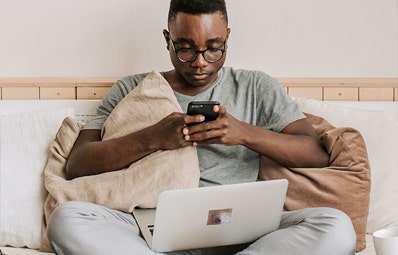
(185, 131)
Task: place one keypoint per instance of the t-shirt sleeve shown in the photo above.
(277, 108)
(108, 103)
(115, 94)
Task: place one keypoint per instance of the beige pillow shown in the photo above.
(344, 184)
(139, 184)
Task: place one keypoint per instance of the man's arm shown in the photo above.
(297, 145)
(90, 155)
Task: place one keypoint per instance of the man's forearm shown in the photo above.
(90, 155)
(290, 150)
(96, 157)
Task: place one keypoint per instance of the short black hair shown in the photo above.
(196, 7)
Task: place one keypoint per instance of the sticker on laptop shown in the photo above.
(219, 216)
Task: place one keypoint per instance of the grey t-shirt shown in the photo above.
(250, 96)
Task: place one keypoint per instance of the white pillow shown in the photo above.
(380, 132)
(24, 143)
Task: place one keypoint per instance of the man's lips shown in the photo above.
(199, 76)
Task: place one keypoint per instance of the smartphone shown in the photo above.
(204, 108)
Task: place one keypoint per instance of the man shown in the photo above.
(255, 117)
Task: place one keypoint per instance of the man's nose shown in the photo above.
(199, 61)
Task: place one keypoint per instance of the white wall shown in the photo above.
(285, 38)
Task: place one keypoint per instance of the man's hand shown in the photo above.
(225, 130)
(169, 132)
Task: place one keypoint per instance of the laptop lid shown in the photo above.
(213, 216)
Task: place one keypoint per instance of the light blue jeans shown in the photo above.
(77, 228)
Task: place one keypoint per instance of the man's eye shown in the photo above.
(213, 49)
(186, 49)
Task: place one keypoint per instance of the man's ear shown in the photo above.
(228, 32)
(166, 35)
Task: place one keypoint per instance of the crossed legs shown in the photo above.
(81, 228)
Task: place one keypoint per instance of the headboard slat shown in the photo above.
(331, 89)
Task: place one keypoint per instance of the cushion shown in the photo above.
(380, 132)
(25, 138)
(159, 171)
(344, 185)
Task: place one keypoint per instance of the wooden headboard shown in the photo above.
(326, 89)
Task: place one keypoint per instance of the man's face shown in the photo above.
(198, 32)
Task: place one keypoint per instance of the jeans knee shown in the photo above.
(342, 232)
(54, 224)
(59, 225)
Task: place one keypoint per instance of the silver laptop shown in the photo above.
(212, 216)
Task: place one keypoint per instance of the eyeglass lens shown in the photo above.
(210, 55)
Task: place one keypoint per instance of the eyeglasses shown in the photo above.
(211, 55)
